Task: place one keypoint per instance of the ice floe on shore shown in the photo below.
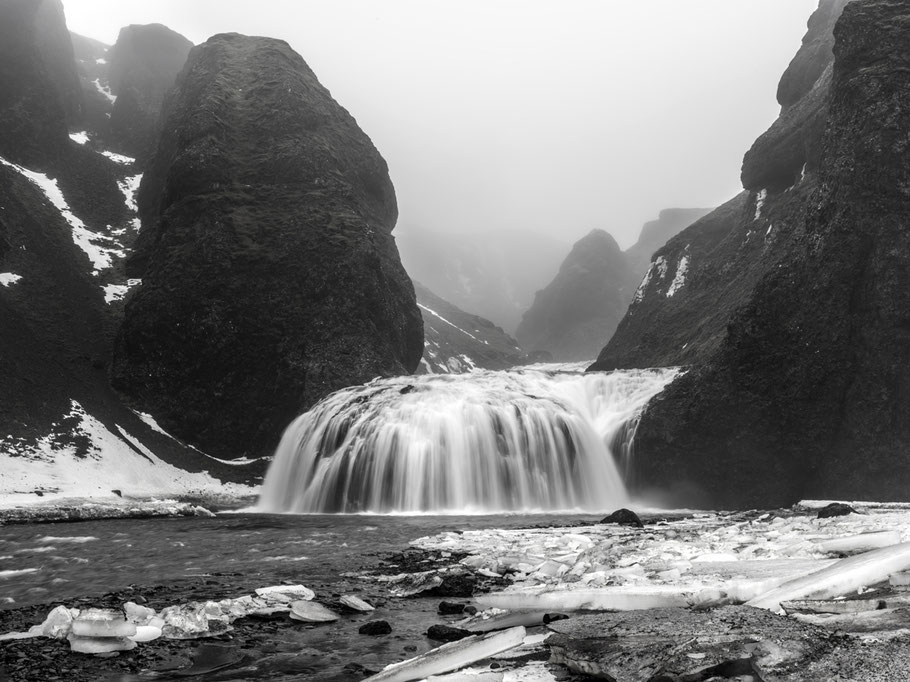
(708, 558)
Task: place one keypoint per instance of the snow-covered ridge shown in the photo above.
(451, 324)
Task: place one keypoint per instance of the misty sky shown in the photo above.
(560, 116)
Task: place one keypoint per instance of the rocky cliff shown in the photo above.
(805, 393)
(655, 233)
(142, 66)
(40, 96)
(575, 313)
(270, 275)
(65, 218)
(456, 341)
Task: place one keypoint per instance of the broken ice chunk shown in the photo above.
(285, 593)
(137, 614)
(409, 584)
(451, 656)
(146, 633)
(102, 623)
(487, 676)
(496, 619)
(842, 577)
(58, 624)
(859, 543)
(356, 603)
(99, 645)
(604, 599)
(312, 612)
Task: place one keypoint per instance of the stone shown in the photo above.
(448, 608)
(375, 627)
(835, 509)
(447, 633)
(623, 517)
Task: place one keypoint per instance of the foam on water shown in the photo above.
(537, 439)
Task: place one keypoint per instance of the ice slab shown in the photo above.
(99, 645)
(451, 657)
(842, 577)
(356, 603)
(102, 623)
(312, 612)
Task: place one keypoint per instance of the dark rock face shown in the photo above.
(793, 144)
(270, 276)
(807, 393)
(456, 341)
(829, 511)
(494, 274)
(40, 96)
(573, 315)
(656, 233)
(144, 63)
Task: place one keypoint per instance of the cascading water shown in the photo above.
(521, 440)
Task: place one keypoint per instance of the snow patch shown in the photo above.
(7, 278)
(85, 239)
(119, 158)
(760, 202)
(129, 186)
(433, 312)
(101, 60)
(680, 279)
(104, 90)
(114, 292)
(79, 138)
(106, 462)
(658, 267)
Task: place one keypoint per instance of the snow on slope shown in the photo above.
(99, 248)
(83, 458)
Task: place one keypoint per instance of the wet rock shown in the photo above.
(448, 608)
(375, 627)
(681, 643)
(835, 509)
(623, 517)
(410, 584)
(456, 585)
(553, 617)
(447, 633)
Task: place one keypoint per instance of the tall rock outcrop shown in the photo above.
(40, 95)
(142, 66)
(270, 275)
(576, 312)
(807, 392)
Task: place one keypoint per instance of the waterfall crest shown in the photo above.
(521, 440)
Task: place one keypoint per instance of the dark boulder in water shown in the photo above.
(270, 275)
(375, 628)
(447, 633)
(623, 517)
(835, 509)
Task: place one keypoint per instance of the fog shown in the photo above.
(557, 117)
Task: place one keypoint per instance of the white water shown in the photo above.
(522, 440)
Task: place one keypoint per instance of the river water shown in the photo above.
(59, 562)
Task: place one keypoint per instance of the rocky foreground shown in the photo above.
(817, 592)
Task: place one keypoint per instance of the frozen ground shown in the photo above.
(708, 558)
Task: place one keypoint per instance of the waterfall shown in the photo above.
(530, 439)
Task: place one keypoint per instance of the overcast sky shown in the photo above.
(555, 115)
